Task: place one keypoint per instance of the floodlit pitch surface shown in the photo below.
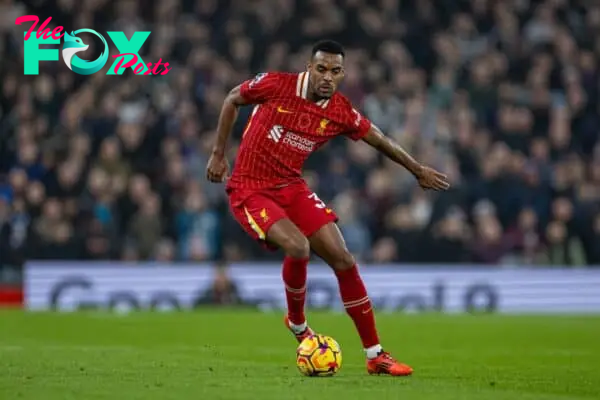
(231, 354)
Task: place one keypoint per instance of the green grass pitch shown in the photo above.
(232, 354)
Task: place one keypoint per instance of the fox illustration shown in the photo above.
(72, 45)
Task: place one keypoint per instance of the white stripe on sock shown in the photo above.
(356, 303)
(292, 290)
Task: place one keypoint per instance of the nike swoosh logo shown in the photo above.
(367, 311)
(283, 110)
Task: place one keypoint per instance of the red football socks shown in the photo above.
(358, 305)
(294, 277)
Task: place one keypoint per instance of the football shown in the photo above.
(319, 355)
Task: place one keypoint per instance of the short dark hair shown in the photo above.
(328, 46)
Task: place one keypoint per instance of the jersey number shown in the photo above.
(316, 198)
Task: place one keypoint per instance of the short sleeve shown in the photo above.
(358, 125)
(260, 88)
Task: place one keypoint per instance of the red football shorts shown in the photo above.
(257, 210)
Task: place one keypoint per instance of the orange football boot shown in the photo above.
(385, 364)
(299, 336)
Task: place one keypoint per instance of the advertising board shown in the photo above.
(64, 286)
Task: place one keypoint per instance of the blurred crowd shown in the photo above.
(503, 96)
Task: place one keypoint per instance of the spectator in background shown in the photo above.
(146, 226)
(99, 243)
(490, 244)
(17, 229)
(164, 251)
(403, 234)
(60, 244)
(5, 230)
(525, 237)
(503, 96)
(449, 242)
(356, 233)
(561, 249)
(223, 290)
(196, 227)
(384, 109)
(110, 160)
(595, 239)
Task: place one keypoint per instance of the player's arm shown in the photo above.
(428, 178)
(227, 118)
(218, 167)
(391, 149)
(253, 91)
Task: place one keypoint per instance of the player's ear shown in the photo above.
(309, 66)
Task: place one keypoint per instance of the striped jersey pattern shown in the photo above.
(285, 128)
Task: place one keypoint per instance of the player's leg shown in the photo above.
(266, 221)
(328, 243)
(285, 235)
(317, 222)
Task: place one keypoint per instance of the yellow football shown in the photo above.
(319, 355)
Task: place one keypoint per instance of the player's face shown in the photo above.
(326, 73)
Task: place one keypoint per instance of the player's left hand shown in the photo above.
(430, 179)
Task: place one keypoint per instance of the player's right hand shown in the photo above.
(217, 169)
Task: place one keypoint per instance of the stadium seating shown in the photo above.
(503, 98)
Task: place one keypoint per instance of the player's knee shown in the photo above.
(296, 247)
(343, 260)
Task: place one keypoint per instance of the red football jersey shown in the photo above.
(285, 128)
